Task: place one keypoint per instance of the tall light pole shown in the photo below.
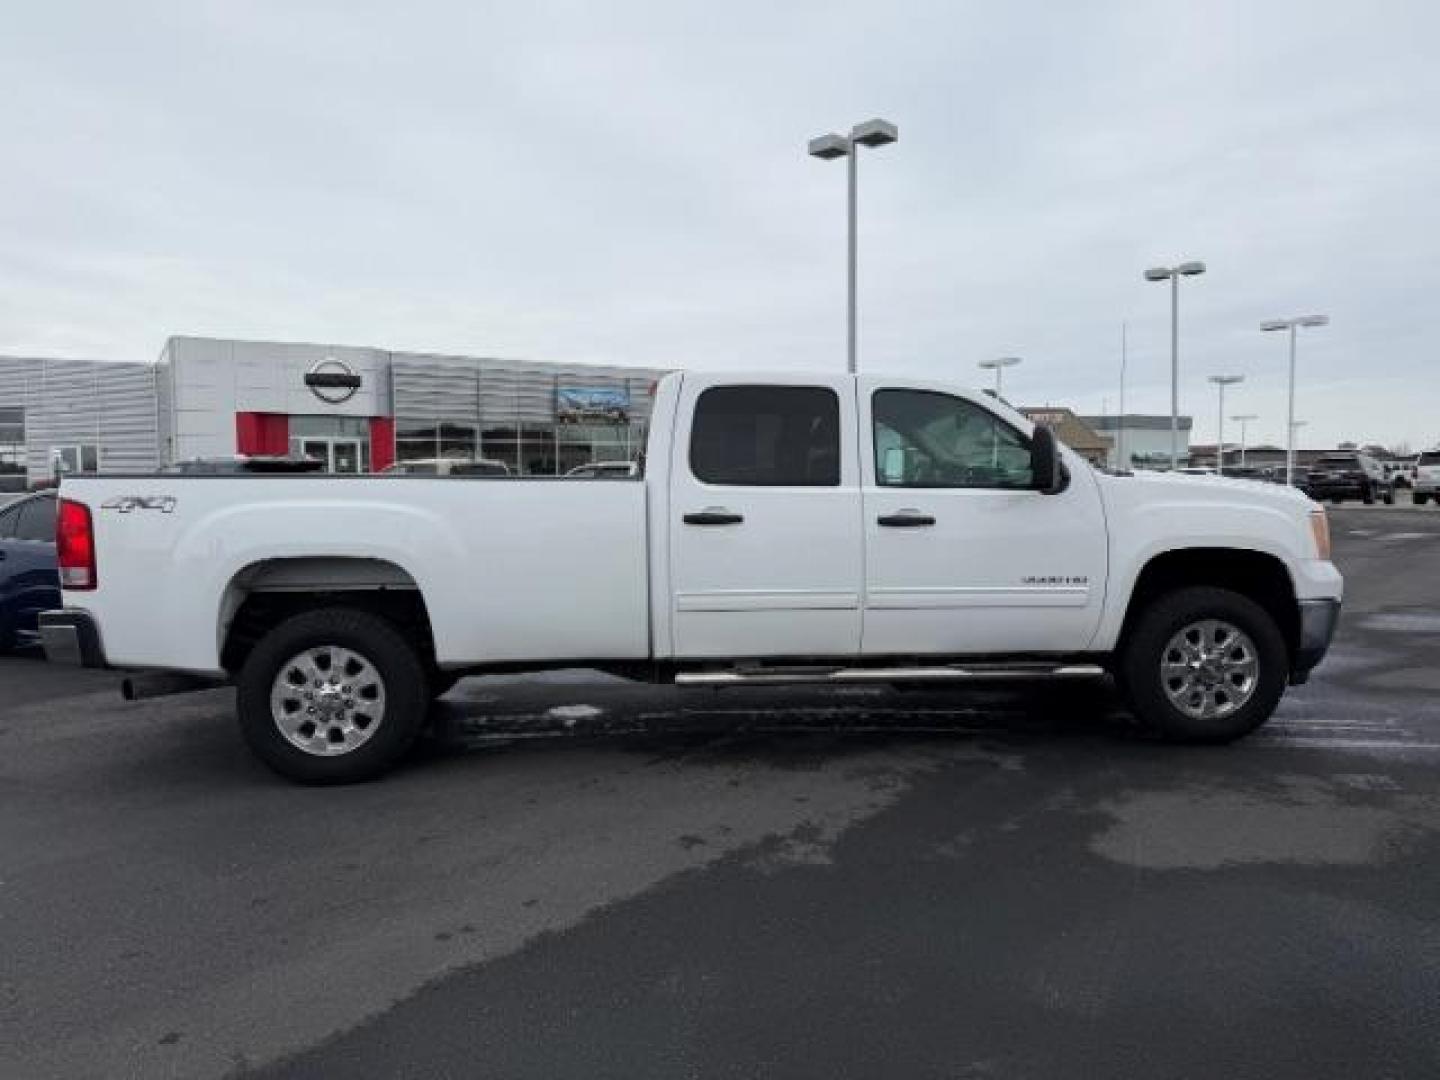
(1295, 425)
(872, 133)
(1290, 325)
(999, 364)
(1243, 419)
(1222, 381)
(1120, 462)
(1173, 275)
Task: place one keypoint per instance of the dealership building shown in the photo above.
(355, 409)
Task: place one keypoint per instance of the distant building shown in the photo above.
(354, 409)
(1073, 432)
(1140, 441)
(74, 416)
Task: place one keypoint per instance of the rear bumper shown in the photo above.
(71, 637)
(1318, 619)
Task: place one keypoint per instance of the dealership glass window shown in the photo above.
(73, 460)
(581, 444)
(456, 441)
(354, 427)
(767, 436)
(425, 439)
(12, 440)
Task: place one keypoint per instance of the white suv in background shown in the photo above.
(1427, 478)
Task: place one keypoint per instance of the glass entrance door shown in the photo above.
(345, 456)
(338, 455)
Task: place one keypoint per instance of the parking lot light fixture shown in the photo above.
(873, 134)
(1290, 325)
(1173, 274)
(999, 364)
(1243, 419)
(1222, 381)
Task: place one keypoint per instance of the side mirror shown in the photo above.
(1046, 471)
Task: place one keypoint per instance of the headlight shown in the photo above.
(1320, 529)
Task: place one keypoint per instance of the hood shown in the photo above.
(1218, 489)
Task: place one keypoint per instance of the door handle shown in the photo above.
(905, 519)
(714, 515)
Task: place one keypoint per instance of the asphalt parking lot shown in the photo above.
(577, 877)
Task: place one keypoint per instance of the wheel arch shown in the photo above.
(262, 594)
(1258, 575)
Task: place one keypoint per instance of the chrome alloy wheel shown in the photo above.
(1210, 669)
(327, 700)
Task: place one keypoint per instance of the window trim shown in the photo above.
(876, 476)
(833, 397)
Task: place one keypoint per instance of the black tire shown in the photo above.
(1367, 495)
(381, 644)
(1389, 497)
(1145, 645)
(1417, 498)
(442, 682)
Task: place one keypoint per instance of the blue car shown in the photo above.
(29, 578)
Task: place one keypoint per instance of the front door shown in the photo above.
(962, 555)
(764, 528)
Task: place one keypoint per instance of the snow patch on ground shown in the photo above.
(572, 714)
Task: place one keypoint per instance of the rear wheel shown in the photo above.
(1389, 497)
(1204, 665)
(332, 696)
(1367, 495)
(1417, 498)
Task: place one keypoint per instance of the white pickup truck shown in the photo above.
(787, 528)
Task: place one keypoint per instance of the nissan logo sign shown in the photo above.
(332, 381)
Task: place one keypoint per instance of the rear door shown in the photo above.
(764, 535)
(962, 555)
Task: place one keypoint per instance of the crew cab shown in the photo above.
(787, 528)
(1340, 476)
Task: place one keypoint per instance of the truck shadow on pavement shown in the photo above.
(764, 723)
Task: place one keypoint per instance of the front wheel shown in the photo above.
(1204, 665)
(332, 696)
(1389, 497)
(1418, 499)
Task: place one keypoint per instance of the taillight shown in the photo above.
(75, 546)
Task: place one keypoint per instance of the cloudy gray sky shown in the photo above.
(627, 182)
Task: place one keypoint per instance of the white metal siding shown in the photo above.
(74, 402)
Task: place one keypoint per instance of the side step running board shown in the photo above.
(950, 673)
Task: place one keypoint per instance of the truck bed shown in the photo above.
(561, 564)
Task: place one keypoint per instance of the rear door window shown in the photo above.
(37, 521)
(767, 436)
